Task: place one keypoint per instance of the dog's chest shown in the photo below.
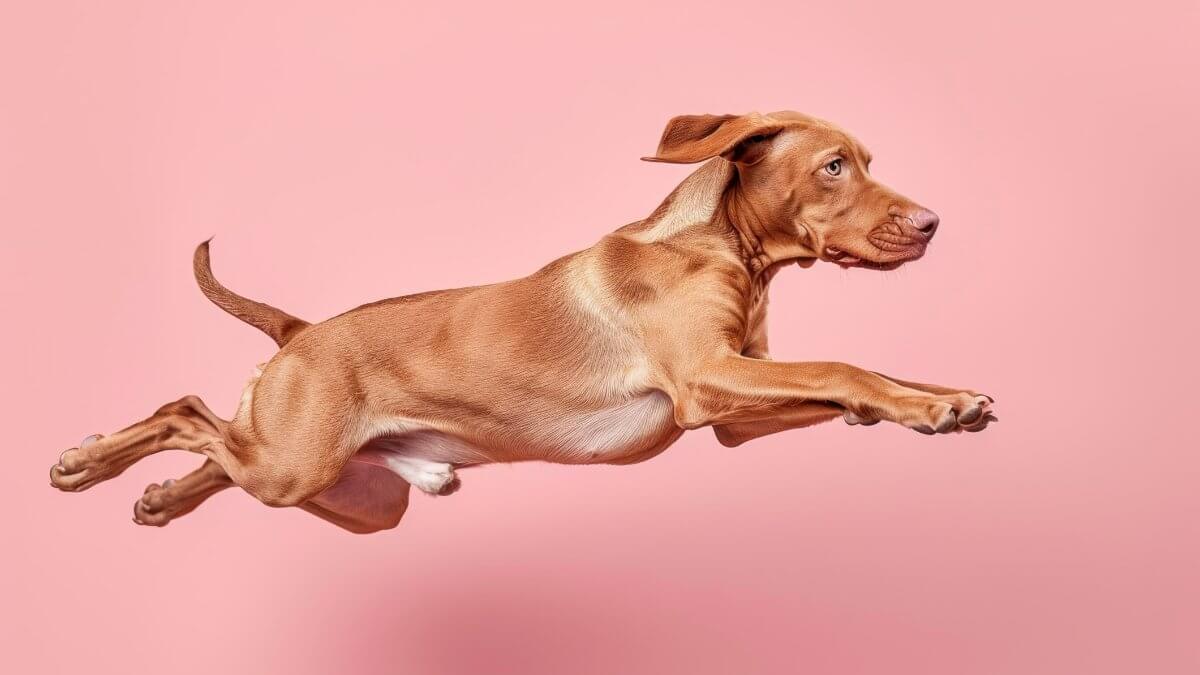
(629, 431)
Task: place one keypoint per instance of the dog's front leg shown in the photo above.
(732, 390)
(803, 415)
(812, 413)
(932, 388)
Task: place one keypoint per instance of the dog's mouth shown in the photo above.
(846, 260)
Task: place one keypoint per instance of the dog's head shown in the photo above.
(806, 180)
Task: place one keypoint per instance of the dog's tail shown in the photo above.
(280, 325)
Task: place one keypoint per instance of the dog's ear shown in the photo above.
(695, 138)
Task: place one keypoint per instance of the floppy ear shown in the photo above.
(695, 138)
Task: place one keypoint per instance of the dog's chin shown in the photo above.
(846, 259)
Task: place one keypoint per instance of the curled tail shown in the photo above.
(280, 325)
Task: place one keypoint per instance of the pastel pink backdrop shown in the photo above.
(344, 153)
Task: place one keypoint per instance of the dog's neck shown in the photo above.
(765, 240)
(713, 200)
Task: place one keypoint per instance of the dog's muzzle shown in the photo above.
(905, 234)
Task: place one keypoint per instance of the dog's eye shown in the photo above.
(834, 168)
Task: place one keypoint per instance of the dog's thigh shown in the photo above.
(295, 430)
(366, 498)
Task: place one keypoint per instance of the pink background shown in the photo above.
(347, 153)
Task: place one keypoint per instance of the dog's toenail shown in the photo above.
(168, 483)
(89, 440)
(924, 429)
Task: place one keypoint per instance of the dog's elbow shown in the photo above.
(726, 437)
(689, 415)
(690, 423)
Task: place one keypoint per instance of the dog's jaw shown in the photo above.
(846, 259)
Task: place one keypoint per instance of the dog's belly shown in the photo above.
(627, 432)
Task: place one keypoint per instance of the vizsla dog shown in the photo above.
(603, 356)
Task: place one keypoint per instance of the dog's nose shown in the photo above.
(926, 221)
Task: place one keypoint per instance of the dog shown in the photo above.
(606, 355)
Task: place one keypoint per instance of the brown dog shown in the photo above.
(605, 355)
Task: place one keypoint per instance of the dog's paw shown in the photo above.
(77, 469)
(951, 413)
(152, 509)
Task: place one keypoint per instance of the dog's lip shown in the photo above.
(846, 260)
(841, 257)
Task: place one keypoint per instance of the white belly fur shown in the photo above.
(632, 430)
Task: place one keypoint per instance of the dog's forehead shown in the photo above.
(792, 116)
(794, 119)
(821, 132)
(807, 142)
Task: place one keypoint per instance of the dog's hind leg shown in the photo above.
(364, 499)
(173, 498)
(186, 424)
